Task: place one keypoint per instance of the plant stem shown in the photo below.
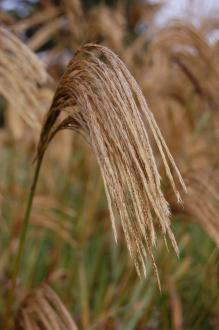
(22, 238)
(25, 225)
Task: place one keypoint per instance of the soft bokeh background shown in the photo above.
(172, 49)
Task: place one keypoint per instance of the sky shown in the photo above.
(190, 9)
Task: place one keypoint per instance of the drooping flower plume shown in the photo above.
(24, 82)
(98, 97)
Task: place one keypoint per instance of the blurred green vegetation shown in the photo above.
(91, 273)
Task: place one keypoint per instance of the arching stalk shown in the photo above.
(22, 239)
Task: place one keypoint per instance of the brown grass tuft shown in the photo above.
(43, 310)
(98, 96)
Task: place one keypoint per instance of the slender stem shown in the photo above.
(22, 238)
(25, 225)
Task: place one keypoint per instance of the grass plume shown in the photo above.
(99, 97)
(43, 309)
(23, 80)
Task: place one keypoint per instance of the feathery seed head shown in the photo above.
(23, 80)
(43, 309)
(99, 97)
